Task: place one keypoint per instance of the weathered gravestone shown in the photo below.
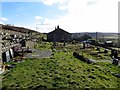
(105, 51)
(115, 61)
(114, 53)
(83, 45)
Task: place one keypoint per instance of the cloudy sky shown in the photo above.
(70, 15)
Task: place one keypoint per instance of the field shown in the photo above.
(61, 71)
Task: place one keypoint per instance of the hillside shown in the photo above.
(93, 35)
(17, 29)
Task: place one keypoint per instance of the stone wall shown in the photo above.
(0, 46)
(0, 51)
(30, 44)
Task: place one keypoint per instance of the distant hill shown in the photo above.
(93, 35)
(16, 28)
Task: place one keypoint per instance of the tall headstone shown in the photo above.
(83, 45)
(11, 53)
(116, 54)
(7, 56)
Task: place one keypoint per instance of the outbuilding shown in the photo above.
(59, 35)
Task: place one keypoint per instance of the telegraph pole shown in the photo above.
(103, 38)
(96, 36)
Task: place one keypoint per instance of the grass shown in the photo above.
(109, 66)
(92, 53)
(60, 71)
(43, 46)
(88, 52)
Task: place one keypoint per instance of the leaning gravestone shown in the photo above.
(81, 57)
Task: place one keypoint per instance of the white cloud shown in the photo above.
(38, 18)
(48, 2)
(20, 0)
(99, 15)
(63, 7)
(3, 19)
(51, 2)
(1, 22)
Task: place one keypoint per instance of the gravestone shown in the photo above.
(7, 56)
(112, 53)
(115, 61)
(105, 51)
(83, 45)
(116, 54)
(81, 57)
(64, 44)
(11, 53)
